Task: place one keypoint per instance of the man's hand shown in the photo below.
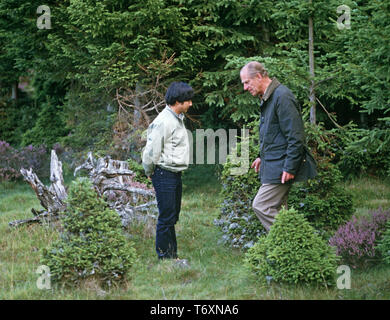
(287, 176)
(256, 164)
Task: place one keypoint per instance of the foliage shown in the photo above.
(98, 47)
(48, 127)
(228, 94)
(384, 244)
(238, 221)
(322, 201)
(365, 57)
(215, 272)
(292, 252)
(139, 171)
(368, 153)
(92, 244)
(355, 241)
(12, 160)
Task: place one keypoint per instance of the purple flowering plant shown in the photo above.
(356, 240)
(12, 160)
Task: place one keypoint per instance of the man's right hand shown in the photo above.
(256, 164)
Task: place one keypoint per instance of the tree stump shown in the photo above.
(112, 180)
(51, 198)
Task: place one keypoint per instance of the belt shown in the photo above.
(177, 172)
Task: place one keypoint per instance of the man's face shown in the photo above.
(252, 84)
(184, 106)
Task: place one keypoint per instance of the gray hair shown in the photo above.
(254, 68)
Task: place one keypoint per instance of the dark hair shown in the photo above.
(178, 91)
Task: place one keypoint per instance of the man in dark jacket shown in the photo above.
(283, 157)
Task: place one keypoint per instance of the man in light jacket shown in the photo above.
(165, 156)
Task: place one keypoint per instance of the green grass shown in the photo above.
(216, 271)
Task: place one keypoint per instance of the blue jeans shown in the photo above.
(168, 187)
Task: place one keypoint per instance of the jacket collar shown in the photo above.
(179, 116)
(270, 89)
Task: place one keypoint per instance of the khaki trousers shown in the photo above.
(269, 201)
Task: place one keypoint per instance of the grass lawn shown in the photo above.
(216, 271)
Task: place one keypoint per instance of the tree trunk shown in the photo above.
(312, 96)
(14, 95)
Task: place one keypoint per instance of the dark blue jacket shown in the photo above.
(282, 137)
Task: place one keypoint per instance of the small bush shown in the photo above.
(293, 253)
(384, 244)
(355, 241)
(92, 245)
(321, 200)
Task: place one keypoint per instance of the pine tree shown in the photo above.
(92, 244)
(293, 253)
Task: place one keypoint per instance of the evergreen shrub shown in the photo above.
(92, 245)
(368, 152)
(49, 127)
(292, 253)
(384, 245)
(322, 200)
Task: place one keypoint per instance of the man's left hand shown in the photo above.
(287, 176)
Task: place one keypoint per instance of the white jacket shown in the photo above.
(167, 144)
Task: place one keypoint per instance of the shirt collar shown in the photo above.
(179, 116)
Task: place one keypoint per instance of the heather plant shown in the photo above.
(12, 160)
(36, 157)
(92, 245)
(139, 174)
(292, 252)
(384, 244)
(356, 240)
(8, 157)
